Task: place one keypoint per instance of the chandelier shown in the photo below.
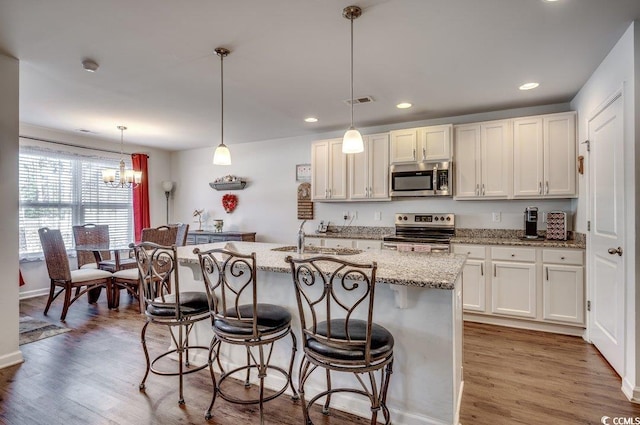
(122, 177)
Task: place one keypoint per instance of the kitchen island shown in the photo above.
(418, 299)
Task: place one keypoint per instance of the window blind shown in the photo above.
(60, 189)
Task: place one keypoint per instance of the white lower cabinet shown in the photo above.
(563, 286)
(363, 244)
(367, 244)
(337, 243)
(513, 289)
(529, 287)
(473, 278)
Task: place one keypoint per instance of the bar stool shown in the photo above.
(177, 310)
(238, 319)
(344, 292)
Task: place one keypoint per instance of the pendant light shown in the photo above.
(125, 178)
(222, 156)
(352, 140)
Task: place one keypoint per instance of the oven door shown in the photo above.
(417, 247)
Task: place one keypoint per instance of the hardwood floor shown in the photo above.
(91, 376)
(513, 376)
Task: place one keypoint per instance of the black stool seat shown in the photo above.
(270, 319)
(190, 303)
(381, 340)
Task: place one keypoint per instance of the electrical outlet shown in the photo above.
(496, 217)
(377, 216)
(345, 215)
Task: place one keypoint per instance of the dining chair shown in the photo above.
(60, 274)
(128, 278)
(178, 311)
(335, 303)
(238, 319)
(91, 234)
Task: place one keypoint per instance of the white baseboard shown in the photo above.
(524, 324)
(35, 293)
(632, 393)
(11, 359)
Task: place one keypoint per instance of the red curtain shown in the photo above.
(141, 217)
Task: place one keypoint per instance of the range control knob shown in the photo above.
(442, 218)
(436, 218)
(448, 218)
(405, 218)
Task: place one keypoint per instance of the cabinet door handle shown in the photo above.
(494, 270)
(482, 189)
(539, 188)
(477, 189)
(424, 153)
(326, 193)
(481, 269)
(546, 187)
(546, 269)
(414, 154)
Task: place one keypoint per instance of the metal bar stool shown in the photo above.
(157, 267)
(335, 302)
(238, 319)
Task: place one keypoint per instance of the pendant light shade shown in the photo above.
(352, 141)
(222, 155)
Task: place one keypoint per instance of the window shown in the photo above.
(61, 189)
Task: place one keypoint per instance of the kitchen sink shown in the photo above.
(319, 250)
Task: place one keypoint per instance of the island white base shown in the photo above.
(426, 384)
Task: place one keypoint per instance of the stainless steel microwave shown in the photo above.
(421, 179)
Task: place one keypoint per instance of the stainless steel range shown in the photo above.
(422, 232)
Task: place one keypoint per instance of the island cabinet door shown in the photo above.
(513, 289)
(473, 286)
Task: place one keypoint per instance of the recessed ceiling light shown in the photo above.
(528, 86)
(550, 1)
(311, 119)
(89, 65)
(404, 105)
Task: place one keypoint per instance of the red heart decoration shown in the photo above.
(229, 202)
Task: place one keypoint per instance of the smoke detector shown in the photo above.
(359, 100)
(90, 65)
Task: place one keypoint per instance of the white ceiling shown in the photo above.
(160, 77)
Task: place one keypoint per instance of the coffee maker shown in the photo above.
(531, 223)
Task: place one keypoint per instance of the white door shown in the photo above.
(606, 207)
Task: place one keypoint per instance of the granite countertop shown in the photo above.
(511, 237)
(400, 268)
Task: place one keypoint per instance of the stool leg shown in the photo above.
(375, 398)
(214, 343)
(294, 348)
(303, 375)
(180, 349)
(325, 409)
(247, 384)
(262, 372)
(146, 354)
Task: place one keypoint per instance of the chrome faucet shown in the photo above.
(301, 237)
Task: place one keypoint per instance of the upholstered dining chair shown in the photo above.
(128, 279)
(178, 310)
(62, 276)
(335, 302)
(239, 319)
(91, 234)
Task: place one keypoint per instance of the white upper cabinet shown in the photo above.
(544, 155)
(328, 171)
(369, 170)
(421, 144)
(483, 160)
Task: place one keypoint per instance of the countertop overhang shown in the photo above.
(416, 269)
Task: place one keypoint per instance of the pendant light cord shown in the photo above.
(222, 99)
(351, 19)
